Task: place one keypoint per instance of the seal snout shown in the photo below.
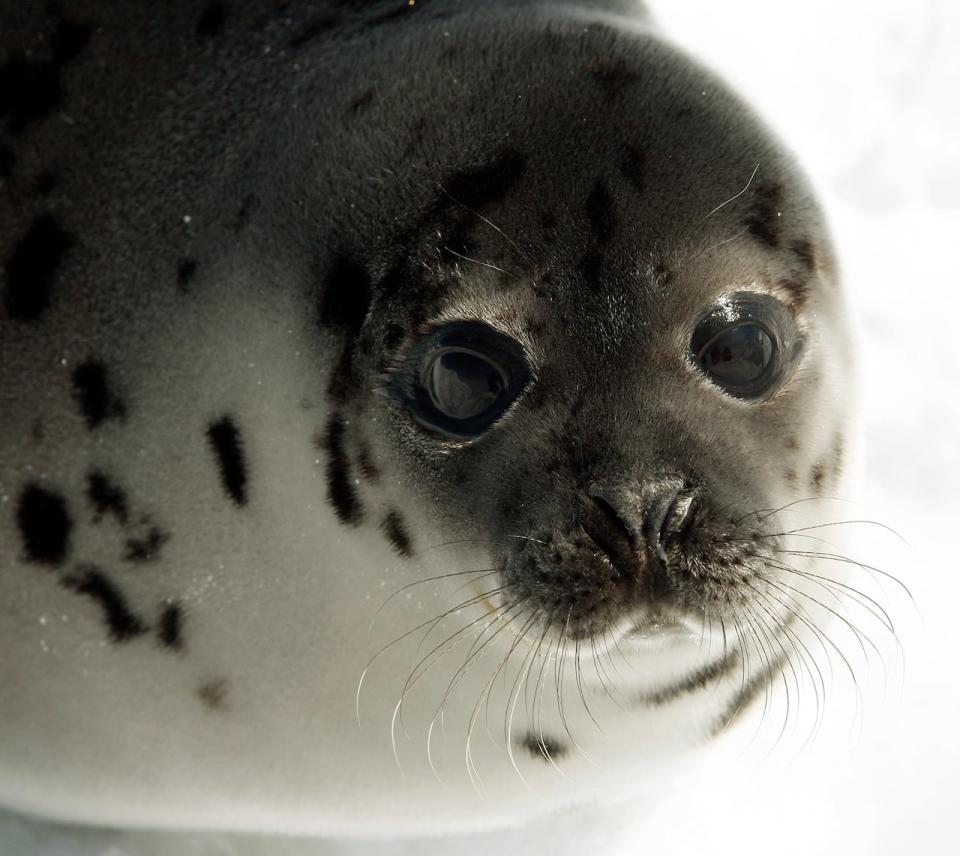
(634, 533)
(617, 552)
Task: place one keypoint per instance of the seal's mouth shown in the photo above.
(657, 629)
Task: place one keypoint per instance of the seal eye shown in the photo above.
(739, 357)
(463, 384)
(747, 344)
(459, 379)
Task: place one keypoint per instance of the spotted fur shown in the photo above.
(225, 232)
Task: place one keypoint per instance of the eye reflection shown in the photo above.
(459, 379)
(738, 356)
(463, 384)
(747, 343)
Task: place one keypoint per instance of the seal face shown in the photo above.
(455, 368)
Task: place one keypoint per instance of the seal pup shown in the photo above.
(404, 405)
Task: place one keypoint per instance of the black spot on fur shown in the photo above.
(763, 220)
(548, 220)
(32, 267)
(543, 747)
(600, 215)
(214, 694)
(839, 455)
(367, 466)
(693, 682)
(211, 21)
(791, 442)
(227, 447)
(589, 267)
(340, 488)
(29, 91)
(346, 296)
(170, 627)
(91, 391)
(186, 271)
(45, 183)
(817, 476)
(45, 525)
(69, 39)
(614, 77)
(791, 476)
(147, 548)
(805, 253)
(396, 533)
(7, 160)
(123, 623)
(313, 29)
(105, 497)
(796, 290)
(487, 184)
(633, 166)
(361, 102)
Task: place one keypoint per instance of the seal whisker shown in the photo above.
(475, 651)
(719, 244)
(484, 693)
(578, 679)
(807, 660)
(489, 265)
(485, 571)
(774, 637)
(762, 653)
(872, 605)
(735, 195)
(477, 648)
(416, 674)
(482, 598)
(836, 557)
(492, 225)
(400, 638)
(512, 698)
(559, 672)
(858, 633)
(826, 638)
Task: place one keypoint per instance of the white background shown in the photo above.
(868, 95)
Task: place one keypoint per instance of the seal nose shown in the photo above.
(630, 531)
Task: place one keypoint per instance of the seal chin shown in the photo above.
(658, 630)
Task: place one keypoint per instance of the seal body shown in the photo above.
(403, 406)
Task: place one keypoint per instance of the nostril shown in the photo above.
(679, 517)
(609, 532)
(613, 517)
(643, 528)
(668, 516)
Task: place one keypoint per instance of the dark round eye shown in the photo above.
(739, 357)
(747, 344)
(459, 379)
(463, 384)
